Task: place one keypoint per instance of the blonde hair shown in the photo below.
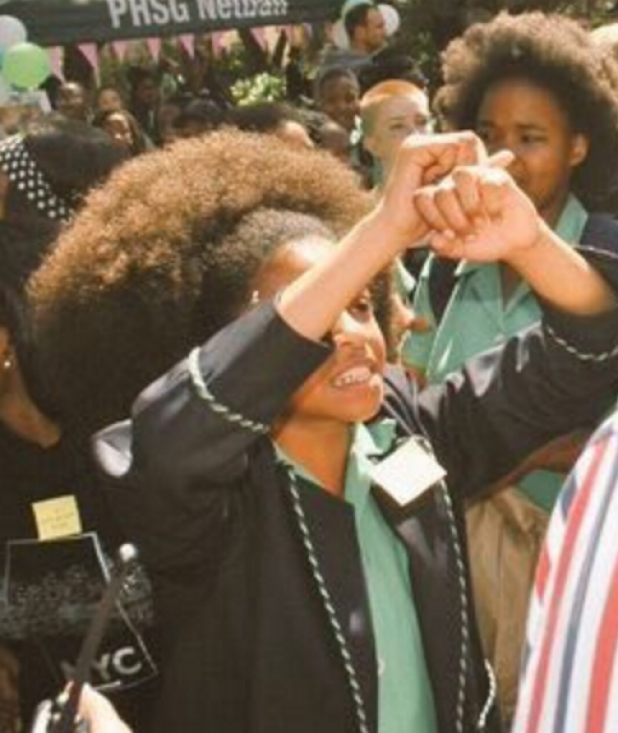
(374, 97)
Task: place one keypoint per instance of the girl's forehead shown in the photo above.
(302, 254)
(338, 85)
(512, 88)
(291, 260)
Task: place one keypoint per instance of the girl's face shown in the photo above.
(395, 119)
(109, 100)
(348, 387)
(339, 99)
(527, 119)
(118, 128)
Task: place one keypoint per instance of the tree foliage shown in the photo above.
(429, 25)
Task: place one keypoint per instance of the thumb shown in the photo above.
(494, 191)
(501, 159)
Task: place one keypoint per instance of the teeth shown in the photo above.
(357, 375)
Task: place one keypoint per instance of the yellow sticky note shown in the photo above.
(58, 517)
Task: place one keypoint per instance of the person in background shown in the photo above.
(535, 85)
(271, 118)
(145, 101)
(108, 98)
(390, 64)
(72, 101)
(365, 34)
(169, 111)
(44, 175)
(198, 117)
(390, 111)
(123, 129)
(570, 665)
(337, 94)
(66, 157)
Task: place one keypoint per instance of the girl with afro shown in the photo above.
(536, 85)
(293, 591)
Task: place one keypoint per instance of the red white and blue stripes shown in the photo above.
(570, 672)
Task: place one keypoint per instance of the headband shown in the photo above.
(23, 172)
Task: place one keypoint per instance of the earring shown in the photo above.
(7, 363)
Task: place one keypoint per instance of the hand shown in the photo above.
(99, 713)
(560, 455)
(479, 214)
(423, 160)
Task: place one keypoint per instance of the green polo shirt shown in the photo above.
(476, 319)
(405, 698)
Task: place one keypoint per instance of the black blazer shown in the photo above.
(250, 644)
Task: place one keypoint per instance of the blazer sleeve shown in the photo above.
(506, 403)
(174, 468)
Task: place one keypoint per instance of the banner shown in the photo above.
(58, 22)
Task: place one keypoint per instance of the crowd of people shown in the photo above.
(328, 369)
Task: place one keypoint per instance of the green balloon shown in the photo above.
(26, 65)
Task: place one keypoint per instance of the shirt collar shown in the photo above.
(368, 441)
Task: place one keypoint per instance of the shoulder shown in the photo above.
(601, 231)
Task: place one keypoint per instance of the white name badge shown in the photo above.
(408, 472)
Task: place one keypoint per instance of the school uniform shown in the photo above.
(260, 582)
(477, 318)
(505, 530)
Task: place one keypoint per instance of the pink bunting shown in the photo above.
(260, 36)
(217, 43)
(154, 47)
(187, 41)
(120, 49)
(91, 52)
(56, 58)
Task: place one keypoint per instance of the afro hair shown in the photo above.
(557, 54)
(165, 254)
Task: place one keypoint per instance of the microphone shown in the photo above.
(58, 716)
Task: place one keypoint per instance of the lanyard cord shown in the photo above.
(342, 644)
(463, 609)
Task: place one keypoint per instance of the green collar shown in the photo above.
(367, 441)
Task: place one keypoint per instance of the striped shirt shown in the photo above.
(570, 670)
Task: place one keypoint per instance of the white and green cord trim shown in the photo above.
(193, 365)
(329, 607)
(582, 356)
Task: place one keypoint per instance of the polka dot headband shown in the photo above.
(23, 172)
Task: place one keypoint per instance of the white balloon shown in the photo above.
(12, 31)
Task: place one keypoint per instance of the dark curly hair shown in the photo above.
(138, 141)
(167, 253)
(552, 52)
